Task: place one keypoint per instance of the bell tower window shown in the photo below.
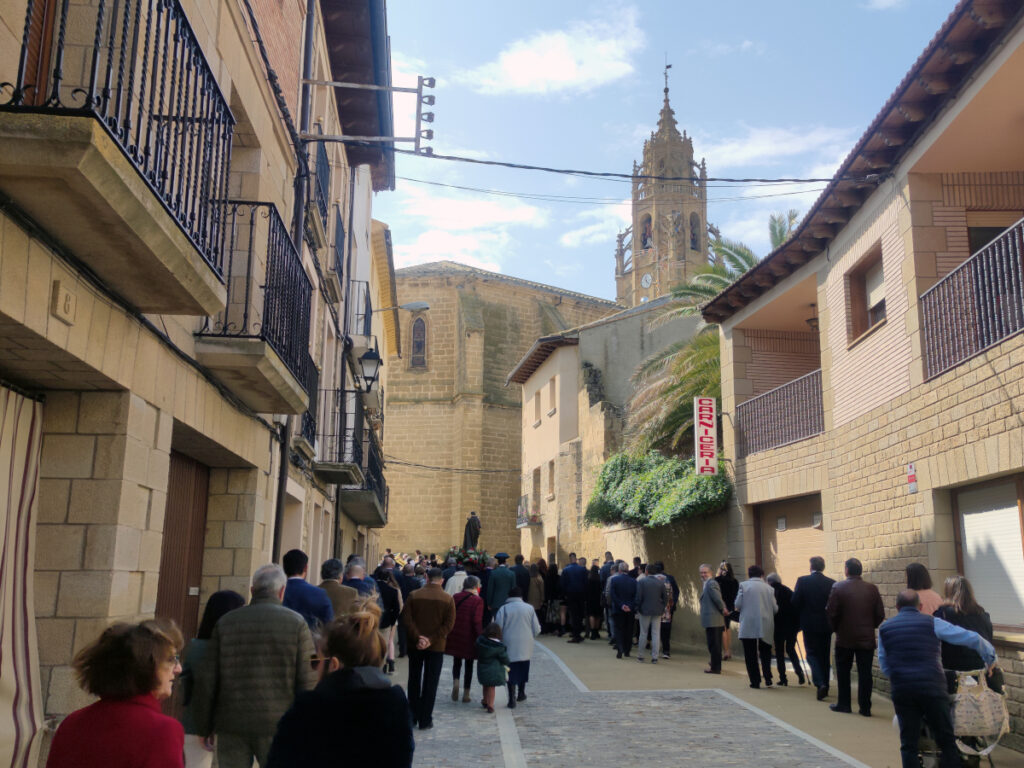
(694, 232)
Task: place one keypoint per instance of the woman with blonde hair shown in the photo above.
(962, 609)
(131, 667)
(354, 709)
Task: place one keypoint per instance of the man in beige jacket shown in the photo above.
(257, 660)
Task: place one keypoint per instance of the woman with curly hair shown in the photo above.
(131, 667)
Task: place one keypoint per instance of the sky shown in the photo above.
(766, 90)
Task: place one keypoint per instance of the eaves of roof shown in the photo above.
(968, 37)
(538, 353)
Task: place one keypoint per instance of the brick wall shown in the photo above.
(778, 357)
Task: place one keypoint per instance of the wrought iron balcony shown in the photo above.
(780, 416)
(107, 90)
(259, 345)
(311, 381)
(351, 457)
(976, 306)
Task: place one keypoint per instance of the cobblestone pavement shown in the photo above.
(561, 723)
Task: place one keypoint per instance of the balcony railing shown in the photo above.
(322, 181)
(311, 382)
(373, 472)
(348, 446)
(359, 309)
(137, 67)
(339, 245)
(780, 416)
(268, 290)
(977, 305)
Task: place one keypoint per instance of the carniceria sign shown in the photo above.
(705, 436)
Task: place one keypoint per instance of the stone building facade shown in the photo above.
(575, 387)
(901, 440)
(170, 319)
(454, 428)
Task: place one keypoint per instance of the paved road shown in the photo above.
(561, 723)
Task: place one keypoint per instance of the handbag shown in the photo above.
(978, 711)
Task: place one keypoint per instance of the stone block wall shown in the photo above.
(103, 490)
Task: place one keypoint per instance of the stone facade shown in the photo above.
(455, 412)
(127, 398)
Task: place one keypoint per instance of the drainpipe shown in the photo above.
(298, 220)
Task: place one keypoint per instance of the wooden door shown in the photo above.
(181, 557)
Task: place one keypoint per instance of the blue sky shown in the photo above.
(781, 89)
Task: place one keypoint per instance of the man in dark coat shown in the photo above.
(574, 587)
(622, 599)
(787, 624)
(854, 610)
(522, 574)
(499, 584)
(810, 596)
(428, 617)
(312, 603)
(472, 533)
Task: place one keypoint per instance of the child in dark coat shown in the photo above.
(492, 661)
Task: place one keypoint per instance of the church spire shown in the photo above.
(667, 128)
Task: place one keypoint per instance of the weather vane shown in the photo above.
(667, 68)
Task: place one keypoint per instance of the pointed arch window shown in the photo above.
(694, 232)
(418, 358)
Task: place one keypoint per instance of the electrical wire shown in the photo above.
(391, 460)
(583, 200)
(630, 176)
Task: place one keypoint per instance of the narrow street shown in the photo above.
(585, 706)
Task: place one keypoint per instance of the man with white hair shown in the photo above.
(256, 662)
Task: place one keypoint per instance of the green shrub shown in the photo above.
(653, 490)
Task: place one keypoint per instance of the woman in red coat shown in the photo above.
(461, 642)
(131, 667)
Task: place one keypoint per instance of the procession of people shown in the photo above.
(282, 677)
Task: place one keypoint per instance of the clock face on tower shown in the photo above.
(646, 280)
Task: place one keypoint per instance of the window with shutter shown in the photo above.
(992, 548)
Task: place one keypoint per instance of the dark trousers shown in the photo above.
(623, 632)
(754, 650)
(577, 607)
(424, 675)
(911, 709)
(403, 648)
(844, 663)
(666, 635)
(785, 645)
(457, 668)
(819, 647)
(714, 638)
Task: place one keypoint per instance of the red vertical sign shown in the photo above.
(705, 436)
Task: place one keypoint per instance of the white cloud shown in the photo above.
(598, 225)
(767, 145)
(884, 5)
(476, 231)
(722, 48)
(580, 58)
(475, 249)
(464, 212)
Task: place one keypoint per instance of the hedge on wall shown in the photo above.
(652, 490)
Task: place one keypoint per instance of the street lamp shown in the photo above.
(370, 362)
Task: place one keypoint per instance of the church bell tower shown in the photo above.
(668, 238)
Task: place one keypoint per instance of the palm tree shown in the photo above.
(660, 411)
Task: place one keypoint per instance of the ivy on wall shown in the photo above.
(653, 490)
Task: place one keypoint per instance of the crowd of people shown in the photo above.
(286, 676)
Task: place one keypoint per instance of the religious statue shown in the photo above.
(472, 534)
